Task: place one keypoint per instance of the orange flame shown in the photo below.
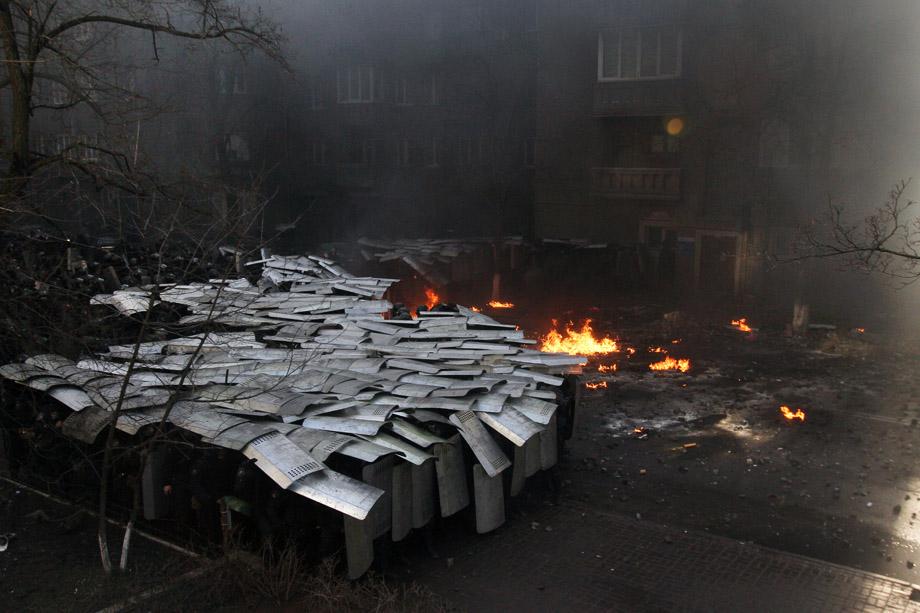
(497, 304)
(606, 368)
(596, 385)
(676, 341)
(657, 350)
(630, 351)
(475, 309)
(860, 330)
(577, 342)
(669, 363)
(790, 415)
(741, 324)
(431, 298)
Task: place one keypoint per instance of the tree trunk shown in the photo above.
(20, 92)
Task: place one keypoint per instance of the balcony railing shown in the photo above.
(644, 98)
(641, 183)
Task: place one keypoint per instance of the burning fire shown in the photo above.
(497, 304)
(596, 385)
(431, 298)
(741, 324)
(860, 330)
(475, 309)
(577, 342)
(669, 363)
(790, 415)
(657, 350)
(606, 368)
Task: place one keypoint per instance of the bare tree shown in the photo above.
(69, 49)
(886, 241)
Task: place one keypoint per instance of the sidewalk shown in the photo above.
(565, 558)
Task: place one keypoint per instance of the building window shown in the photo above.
(433, 90)
(60, 95)
(239, 83)
(403, 91)
(63, 144)
(231, 82)
(434, 26)
(464, 151)
(355, 84)
(317, 94)
(485, 149)
(530, 152)
(88, 148)
(639, 53)
(235, 148)
(358, 152)
(403, 152)
(774, 144)
(531, 16)
(319, 152)
(434, 152)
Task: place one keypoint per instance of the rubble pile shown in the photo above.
(437, 409)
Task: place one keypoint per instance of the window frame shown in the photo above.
(678, 65)
(343, 84)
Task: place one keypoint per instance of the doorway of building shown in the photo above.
(718, 261)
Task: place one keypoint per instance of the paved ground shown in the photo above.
(567, 558)
(740, 510)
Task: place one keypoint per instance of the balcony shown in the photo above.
(638, 183)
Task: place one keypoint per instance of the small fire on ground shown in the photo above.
(498, 304)
(577, 342)
(741, 325)
(594, 385)
(669, 363)
(791, 415)
(606, 368)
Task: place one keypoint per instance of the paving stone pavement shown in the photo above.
(565, 558)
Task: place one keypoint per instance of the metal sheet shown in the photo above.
(512, 425)
(86, 425)
(532, 456)
(279, 458)
(453, 493)
(490, 403)
(489, 499)
(49, 361)
(347, 425)
(132, 421)
(405, 450)
(322, 450)
(483, 445)
(414, 434)
(238, 436)
(72, 397)
(518, 472)
(423, 480)
(534, 409)
(549, 445)
(206, 422)
(337, 491)
(359, 546)
(402, 501)
(380, 475)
